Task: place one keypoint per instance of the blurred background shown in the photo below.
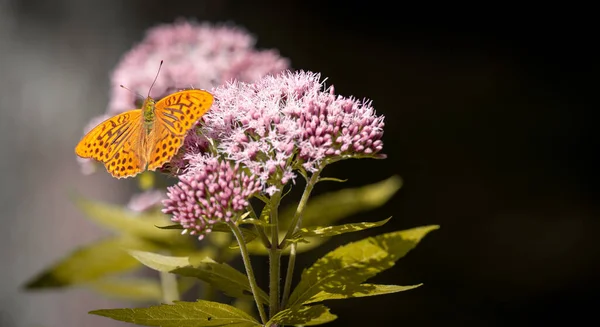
(489, 122)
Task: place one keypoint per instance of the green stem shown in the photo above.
(251, 279)
(274, 256)
(294, 226)
(168, 284)
(288, 276)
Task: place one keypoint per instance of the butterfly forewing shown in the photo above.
(115, 142)
(175, 115)
(179, 111)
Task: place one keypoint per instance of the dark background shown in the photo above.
(489, 121)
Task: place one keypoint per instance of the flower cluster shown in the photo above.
(337, 128)
(282, 121)
(216, 193)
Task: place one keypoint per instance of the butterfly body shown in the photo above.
(146, 138)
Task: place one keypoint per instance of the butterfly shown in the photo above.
(146, 138)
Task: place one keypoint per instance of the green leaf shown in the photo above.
(332, 179)
(336, 230)
(249, 234)
(125, 221)
(183, 314)
(343, 270)
(134, 289)
(361, 291)
(328, 208)
(176, 226)
(91, 262)
(251, 221)
(265, 214)
(220, 275)
(257, 248)
(303, 315)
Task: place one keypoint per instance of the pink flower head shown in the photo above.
(336, 127)
(273, 124)
(216, 193)
(199, 56)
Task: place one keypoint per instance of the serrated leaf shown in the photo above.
(257, 248)
(343, 270)
(91, 262)
(361, 291)
(249, 234)
(303, 315)
(256, 222)
(124, 221)
(134, 289)
(183, 314)
(221, 275)
(336, 230)
(328, 208)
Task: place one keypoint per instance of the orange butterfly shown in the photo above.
(147, 138)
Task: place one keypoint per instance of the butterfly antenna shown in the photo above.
(130, 90)
(158, 72)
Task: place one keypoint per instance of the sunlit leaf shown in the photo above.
(249, 234)
(91, 262)
(361, 291)
(336, 230)
(303, 315)
(343, 270)
(124, 221)
(133, 289)
(257, 248)
(220, 275)
(183, 314)
(328, 208)
(256, 222)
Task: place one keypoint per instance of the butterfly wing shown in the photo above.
(175, 115)
(116, 142)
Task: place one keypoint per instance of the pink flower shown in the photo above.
(199, 56)
(218, 192)
(335, 128)
(280, 122)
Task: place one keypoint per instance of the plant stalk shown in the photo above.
(251, 279)
(168, 284)
(274, 256)
(295, 225)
